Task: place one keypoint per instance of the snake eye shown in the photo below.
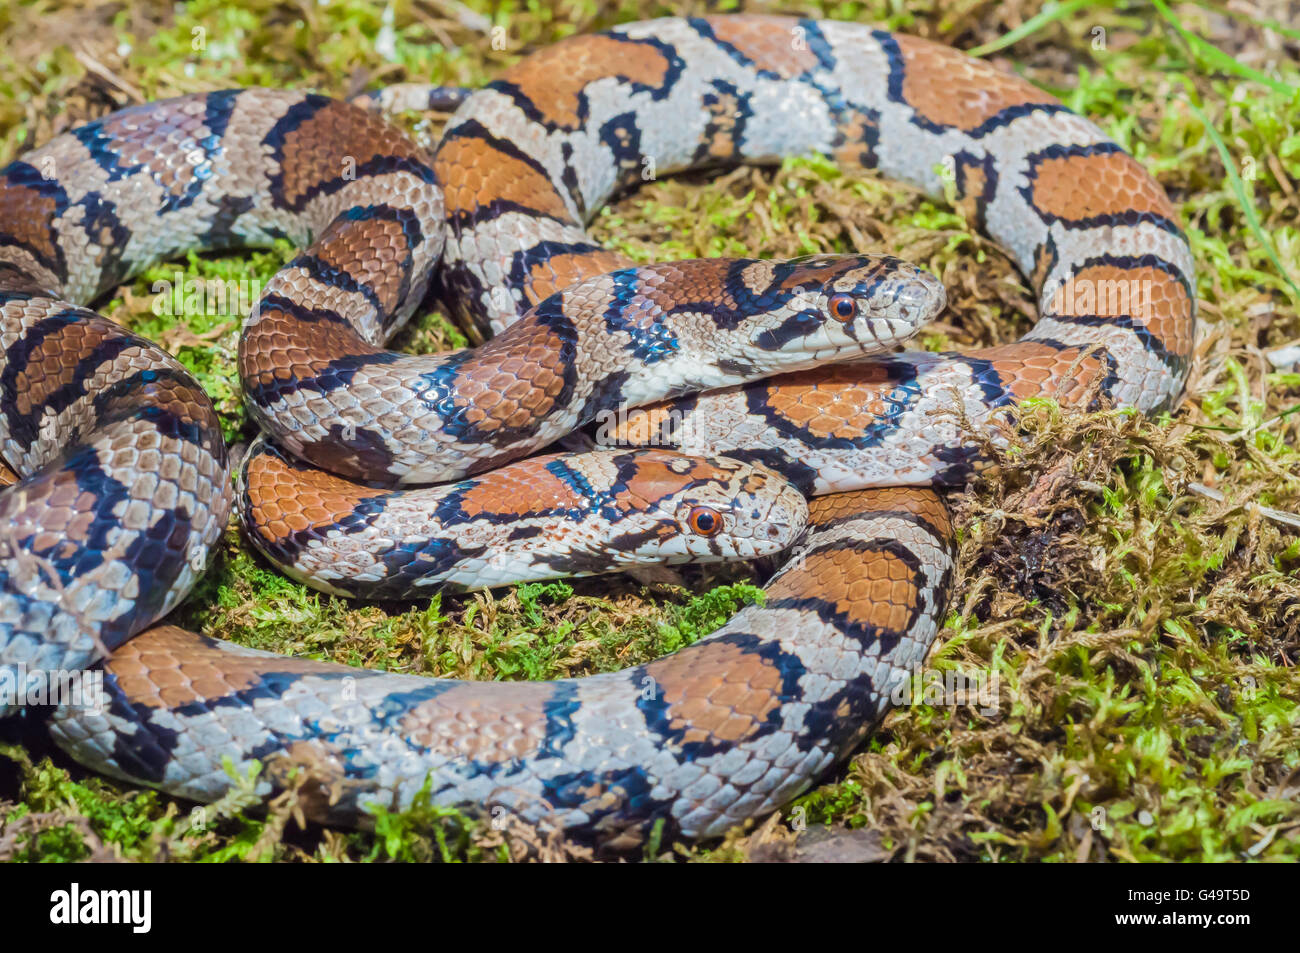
(704, 520)
(843, 307)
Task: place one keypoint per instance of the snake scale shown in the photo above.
(126, 484)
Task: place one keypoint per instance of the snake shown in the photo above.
(126, 483)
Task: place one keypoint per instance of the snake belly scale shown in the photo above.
(125, 482)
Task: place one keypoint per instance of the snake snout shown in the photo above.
(784, 519)
(921, 298)
(901, 304)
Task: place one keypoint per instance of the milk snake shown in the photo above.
(125, 476)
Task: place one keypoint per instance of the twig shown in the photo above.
(1281, 516)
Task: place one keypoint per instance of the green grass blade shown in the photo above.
(1279, 28)
(1243, 198)
(1204, 50)
(1049, 14)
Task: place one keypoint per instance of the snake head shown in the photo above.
(707, 509)
(832, 307)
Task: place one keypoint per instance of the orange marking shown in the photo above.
(1150, 295)
(286, 499)
(185, 402)
(53, 362)
(668, 284)
(554, 77)
(338, 136)
(522, 489)
(839, 400)
(476, 174)
(660, 473)
(922, 503)
(835, 400)
(1044, 259)
(767, 41)
(855, 129)
(951, 89)
(504, 723)
(717, 692)
(876, 589)
(972, 181)
(167, 667)
(27, 216)
(279, 347)
(565, 270)
(642, 426)
(372, 252)
(514, 379)
(1075, 188)
(817, 274)
(720, 135)
(1039, 370)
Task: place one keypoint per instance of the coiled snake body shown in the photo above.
(125, 479)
